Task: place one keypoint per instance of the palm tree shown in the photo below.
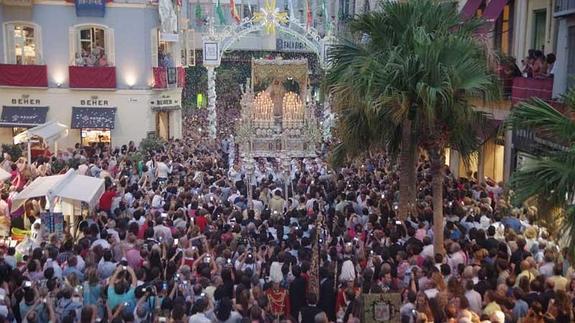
(418, 63)
(550, 177)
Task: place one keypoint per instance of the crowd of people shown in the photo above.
(180, 236)
(91, 57)
(538, 65)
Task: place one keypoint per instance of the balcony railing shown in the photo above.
(169, 77)
(526, 88)
(100, 77)
(23, 75)
(564, 7)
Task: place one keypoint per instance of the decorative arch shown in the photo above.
(215, 44)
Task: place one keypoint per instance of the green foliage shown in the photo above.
(198, 84)
(14, 151)
(412, 60)
(550, 177)
(152, 143)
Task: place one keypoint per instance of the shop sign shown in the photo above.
(163, 101)
(94, 102)
(289, 45)
(25, 100)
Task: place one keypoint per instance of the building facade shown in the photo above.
(105, 69)
(514, 27)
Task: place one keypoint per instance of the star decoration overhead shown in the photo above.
(270, 16)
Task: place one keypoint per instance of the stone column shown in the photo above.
(507, 155)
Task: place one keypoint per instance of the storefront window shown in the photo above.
(91, 136)
(22, 44)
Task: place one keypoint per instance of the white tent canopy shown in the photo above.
(50, 132)
(70, 187)
(4, 175)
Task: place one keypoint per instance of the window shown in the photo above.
(92, 46)
(165, 49)
(22, 44)
(504, 30)
(539, 25)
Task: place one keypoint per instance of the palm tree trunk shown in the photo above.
(436, 160)
(408, 177)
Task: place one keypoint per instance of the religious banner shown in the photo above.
(53, 223)
(90, 8)
(381, 308)
(168, 18)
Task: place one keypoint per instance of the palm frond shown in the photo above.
(538, 114)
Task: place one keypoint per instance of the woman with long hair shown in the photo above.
(422, 306)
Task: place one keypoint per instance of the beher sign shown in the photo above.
(94, 103)
(25, 101)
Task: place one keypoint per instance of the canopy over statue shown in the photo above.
(276, 115)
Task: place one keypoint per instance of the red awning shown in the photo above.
(470, 8)
(494, 9)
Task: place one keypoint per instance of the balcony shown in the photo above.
(564, 8)
(169, 77)
(85, 77)
(526, 88)
(23, 75)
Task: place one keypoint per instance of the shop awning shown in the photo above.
(17, 116)
(494, 9)
(470, 8)
(64, 187)
(166, 108)
(49, 132)
(96, 117)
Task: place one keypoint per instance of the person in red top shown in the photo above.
(106, 199)
(279, 300)
(201, 220)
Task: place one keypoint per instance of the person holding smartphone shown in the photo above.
(122, 289)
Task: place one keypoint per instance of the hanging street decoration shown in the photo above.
(270, 16)
(234, 12)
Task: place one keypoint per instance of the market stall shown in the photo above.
(42, 136)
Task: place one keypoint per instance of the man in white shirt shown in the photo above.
(201, 305)
(473, 297)
(163, 170)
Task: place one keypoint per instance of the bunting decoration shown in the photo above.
(326, 17)
(199, 14)
(291, 9)
(220, 13)
(234, 12)
(309, 15)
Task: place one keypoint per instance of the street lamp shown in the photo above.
(286, 163)
(250, 168)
